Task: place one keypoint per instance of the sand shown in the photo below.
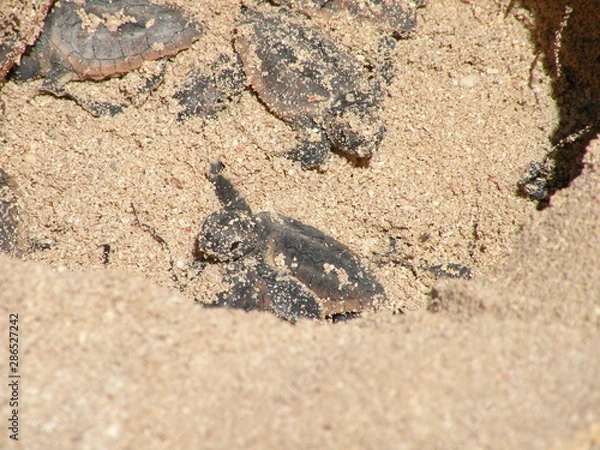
(115, 352)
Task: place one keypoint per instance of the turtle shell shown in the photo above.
(325, 266)
(297, 71)
(101, 39)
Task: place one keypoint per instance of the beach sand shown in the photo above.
(115, 351)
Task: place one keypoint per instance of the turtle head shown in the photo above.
(227, 235)
(355, 134)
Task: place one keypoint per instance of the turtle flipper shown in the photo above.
(54, 84)
(286, 297)
(259, 288)
(228, 195)
(311, 153)
(98, 109)
(245, 291)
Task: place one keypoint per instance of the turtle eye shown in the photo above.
(234, 246)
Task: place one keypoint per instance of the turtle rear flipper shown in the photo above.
(54, 84)
(95, 108)
(56, 80)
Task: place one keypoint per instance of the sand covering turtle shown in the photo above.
(306, 80)
(99, 39)
(281, 265)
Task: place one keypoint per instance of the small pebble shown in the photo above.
(470, 81)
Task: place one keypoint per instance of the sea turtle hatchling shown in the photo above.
(99, 39)
(281, 265)
(306, 80)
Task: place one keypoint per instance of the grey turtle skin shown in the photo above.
(278, 264)
(103, 38)
(304, 79)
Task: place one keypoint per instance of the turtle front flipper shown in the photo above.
(228, 195)
(244, 292)
(311, 154)
(313, 150)
(259, 288)
(54, 84)
(286, 297)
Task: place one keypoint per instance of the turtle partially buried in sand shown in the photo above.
(281, 265)
(306, 80)
(99, 39)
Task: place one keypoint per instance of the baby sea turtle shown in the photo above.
(281, 265)
(306, 80)
(99, 39)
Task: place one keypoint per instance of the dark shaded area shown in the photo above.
(395, 16)
(567, 35)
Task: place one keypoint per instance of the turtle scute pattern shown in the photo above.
(278, 264)
(321, 90)
(99, 39)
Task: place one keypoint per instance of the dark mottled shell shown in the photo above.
(297, 70)
(325, 266)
